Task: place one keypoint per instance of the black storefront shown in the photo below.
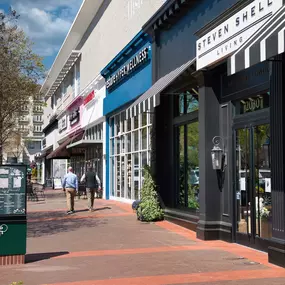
(240, 104)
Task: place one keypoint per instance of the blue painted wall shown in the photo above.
(127, 90)
(178, 44)
(132, 86)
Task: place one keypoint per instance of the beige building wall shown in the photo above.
(120, 22)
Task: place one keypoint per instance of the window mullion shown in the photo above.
(185, 166)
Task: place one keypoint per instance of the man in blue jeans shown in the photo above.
(70, 186)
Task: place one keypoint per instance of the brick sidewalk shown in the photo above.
(110, 247)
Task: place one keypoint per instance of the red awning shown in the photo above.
(61, 151)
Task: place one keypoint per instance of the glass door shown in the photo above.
(253, 183)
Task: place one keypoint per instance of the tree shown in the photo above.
(14, 145)
(20, 72)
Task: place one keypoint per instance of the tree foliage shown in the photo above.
(20, 71)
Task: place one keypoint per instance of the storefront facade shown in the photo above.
(69, 131)
(221, 86)
(75, 133)
(245, 99)
(93, 125)
(128, 135)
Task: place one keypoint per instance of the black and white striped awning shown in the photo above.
(267, 42)
(151, 98)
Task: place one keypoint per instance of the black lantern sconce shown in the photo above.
(219, 163)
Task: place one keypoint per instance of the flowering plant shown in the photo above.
(261, 210)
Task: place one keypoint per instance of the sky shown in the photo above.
(46, 23)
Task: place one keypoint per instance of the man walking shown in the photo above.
(92, 183)
(70, 186)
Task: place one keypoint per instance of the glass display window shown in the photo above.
(130, 150)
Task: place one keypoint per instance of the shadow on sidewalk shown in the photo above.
(95, 210)
(34, 257)
(102, 208)
(53, 227)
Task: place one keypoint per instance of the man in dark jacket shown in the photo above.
(92, 183)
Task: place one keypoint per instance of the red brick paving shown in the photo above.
(110, 246)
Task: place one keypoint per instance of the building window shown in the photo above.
(94, 159)
(94, 133)
(78, 165)
(31, 145)
(38, 118)
(187, 148)
(130, 145)
(186, 103)
(188, 175)
(38, 108)
(24, 108)
(38, 128)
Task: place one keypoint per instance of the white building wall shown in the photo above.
(51, 139)
(93, 111)
(48, 111)
(121, 21)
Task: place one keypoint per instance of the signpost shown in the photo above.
(13, 222)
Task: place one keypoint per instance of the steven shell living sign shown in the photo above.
(231, 34)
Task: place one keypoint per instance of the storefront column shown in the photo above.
(104, 158)
(276, 252)
(209, 197)
(107, 160)
(43, 171)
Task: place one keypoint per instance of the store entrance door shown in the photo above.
(253, 225)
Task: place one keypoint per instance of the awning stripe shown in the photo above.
(151, 98)
(266, 43)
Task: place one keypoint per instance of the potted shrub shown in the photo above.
(263, 218)
(149, 208)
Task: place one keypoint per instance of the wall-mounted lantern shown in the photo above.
(218, 154)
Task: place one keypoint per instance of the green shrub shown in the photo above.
(149, 208)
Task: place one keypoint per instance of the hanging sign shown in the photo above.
(231, 34)
(62, 123)
(74, 116)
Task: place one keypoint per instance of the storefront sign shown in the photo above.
(89, 98)
(253, 77)
(252, 104)
(230, 35)
(62, 123)
(74, 116)
(127, 69)
(57, 184)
